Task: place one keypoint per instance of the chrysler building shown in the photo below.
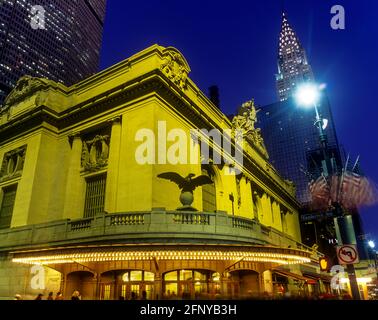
(293, 67)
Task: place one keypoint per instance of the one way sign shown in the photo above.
(347, 254)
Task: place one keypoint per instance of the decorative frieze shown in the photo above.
(175, 68)
(245, 121)
(95, 153)
(13, 163)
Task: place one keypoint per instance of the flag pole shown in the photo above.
(339, 194)
(355, 165)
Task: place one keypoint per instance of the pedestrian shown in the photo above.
(39, 297)
(50, 296)
(76, 295)
(59, 296)
(144, 295)
(133, 295)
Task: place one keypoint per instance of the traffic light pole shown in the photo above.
(345, 233)
(343, 223)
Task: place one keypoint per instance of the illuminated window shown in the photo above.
(136, 275)
(149, 276)
(198, 276)
(7, 204)
(135, 288)
(95, 196)
(106, 295)
(171, 276)
(125, 277)
(123, 290)
(186, 275)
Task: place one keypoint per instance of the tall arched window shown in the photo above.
(209, 198)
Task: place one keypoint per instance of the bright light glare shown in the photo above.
(325, 124)
(322, 86)
(307, 95)
(359, 280)
(371, 244)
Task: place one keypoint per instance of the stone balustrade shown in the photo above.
(158, 225)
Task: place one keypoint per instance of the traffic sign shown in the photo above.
(347, 254)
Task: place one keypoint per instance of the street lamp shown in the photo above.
(308, 95)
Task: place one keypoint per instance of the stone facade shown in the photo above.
(82, 188)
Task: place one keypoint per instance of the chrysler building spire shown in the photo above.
(293, 67)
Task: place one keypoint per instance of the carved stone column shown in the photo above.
(72, 207)
(63, 286)
(267, 282)
(158, 286)
(225, 287)
(267, 204)
(113, 166)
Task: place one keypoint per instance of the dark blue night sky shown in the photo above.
(234, 44)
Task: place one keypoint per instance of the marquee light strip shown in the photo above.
(162, 255)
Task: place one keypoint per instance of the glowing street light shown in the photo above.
(371, 244)
(307, 95)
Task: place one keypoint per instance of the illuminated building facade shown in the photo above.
(76, 200)
(65, 50)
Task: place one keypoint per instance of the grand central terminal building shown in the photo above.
(76, 201)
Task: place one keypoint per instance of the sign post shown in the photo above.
(347, 252)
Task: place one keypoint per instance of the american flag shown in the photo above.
(319, 190)
(335, 188)
(357, 190)
(351, 189)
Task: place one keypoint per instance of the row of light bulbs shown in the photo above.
(163, 255)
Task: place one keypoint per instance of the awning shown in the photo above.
(105, 253)
(316, 276)
(295, 276)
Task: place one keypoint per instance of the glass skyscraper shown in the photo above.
(65, 48)
(289, 133)
(292, 141)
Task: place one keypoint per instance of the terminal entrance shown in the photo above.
(127, 285)
(243, 284)
(191, 284)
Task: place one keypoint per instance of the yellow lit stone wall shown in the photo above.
(52, 185)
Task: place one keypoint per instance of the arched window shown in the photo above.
(209, 199)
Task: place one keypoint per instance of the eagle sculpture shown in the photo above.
(187, 185)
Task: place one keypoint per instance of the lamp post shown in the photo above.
(308, 95)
